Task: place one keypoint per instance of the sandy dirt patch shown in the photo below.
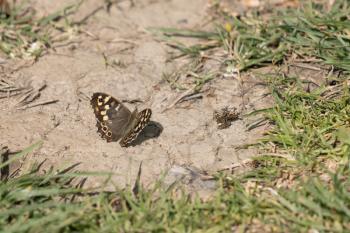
(189, 138)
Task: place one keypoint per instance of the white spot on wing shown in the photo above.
(106, 99)
(99, 102)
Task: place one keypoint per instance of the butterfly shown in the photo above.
(115, 121)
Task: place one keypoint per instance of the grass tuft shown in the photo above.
(24, 35)
(312, 32)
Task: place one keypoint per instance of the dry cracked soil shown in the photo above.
(182, 140)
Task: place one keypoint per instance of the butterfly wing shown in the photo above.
(113, 118)
(142, 120)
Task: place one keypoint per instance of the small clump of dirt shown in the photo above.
(225, 116)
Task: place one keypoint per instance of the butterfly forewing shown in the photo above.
(113, 118)
(142, 120)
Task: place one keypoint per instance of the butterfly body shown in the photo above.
(115, 121)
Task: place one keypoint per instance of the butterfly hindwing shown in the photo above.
(142, 120)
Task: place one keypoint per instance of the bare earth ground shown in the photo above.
(190, 138)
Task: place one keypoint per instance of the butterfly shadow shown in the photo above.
(152, 130)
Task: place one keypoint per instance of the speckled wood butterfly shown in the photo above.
(115, 121)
